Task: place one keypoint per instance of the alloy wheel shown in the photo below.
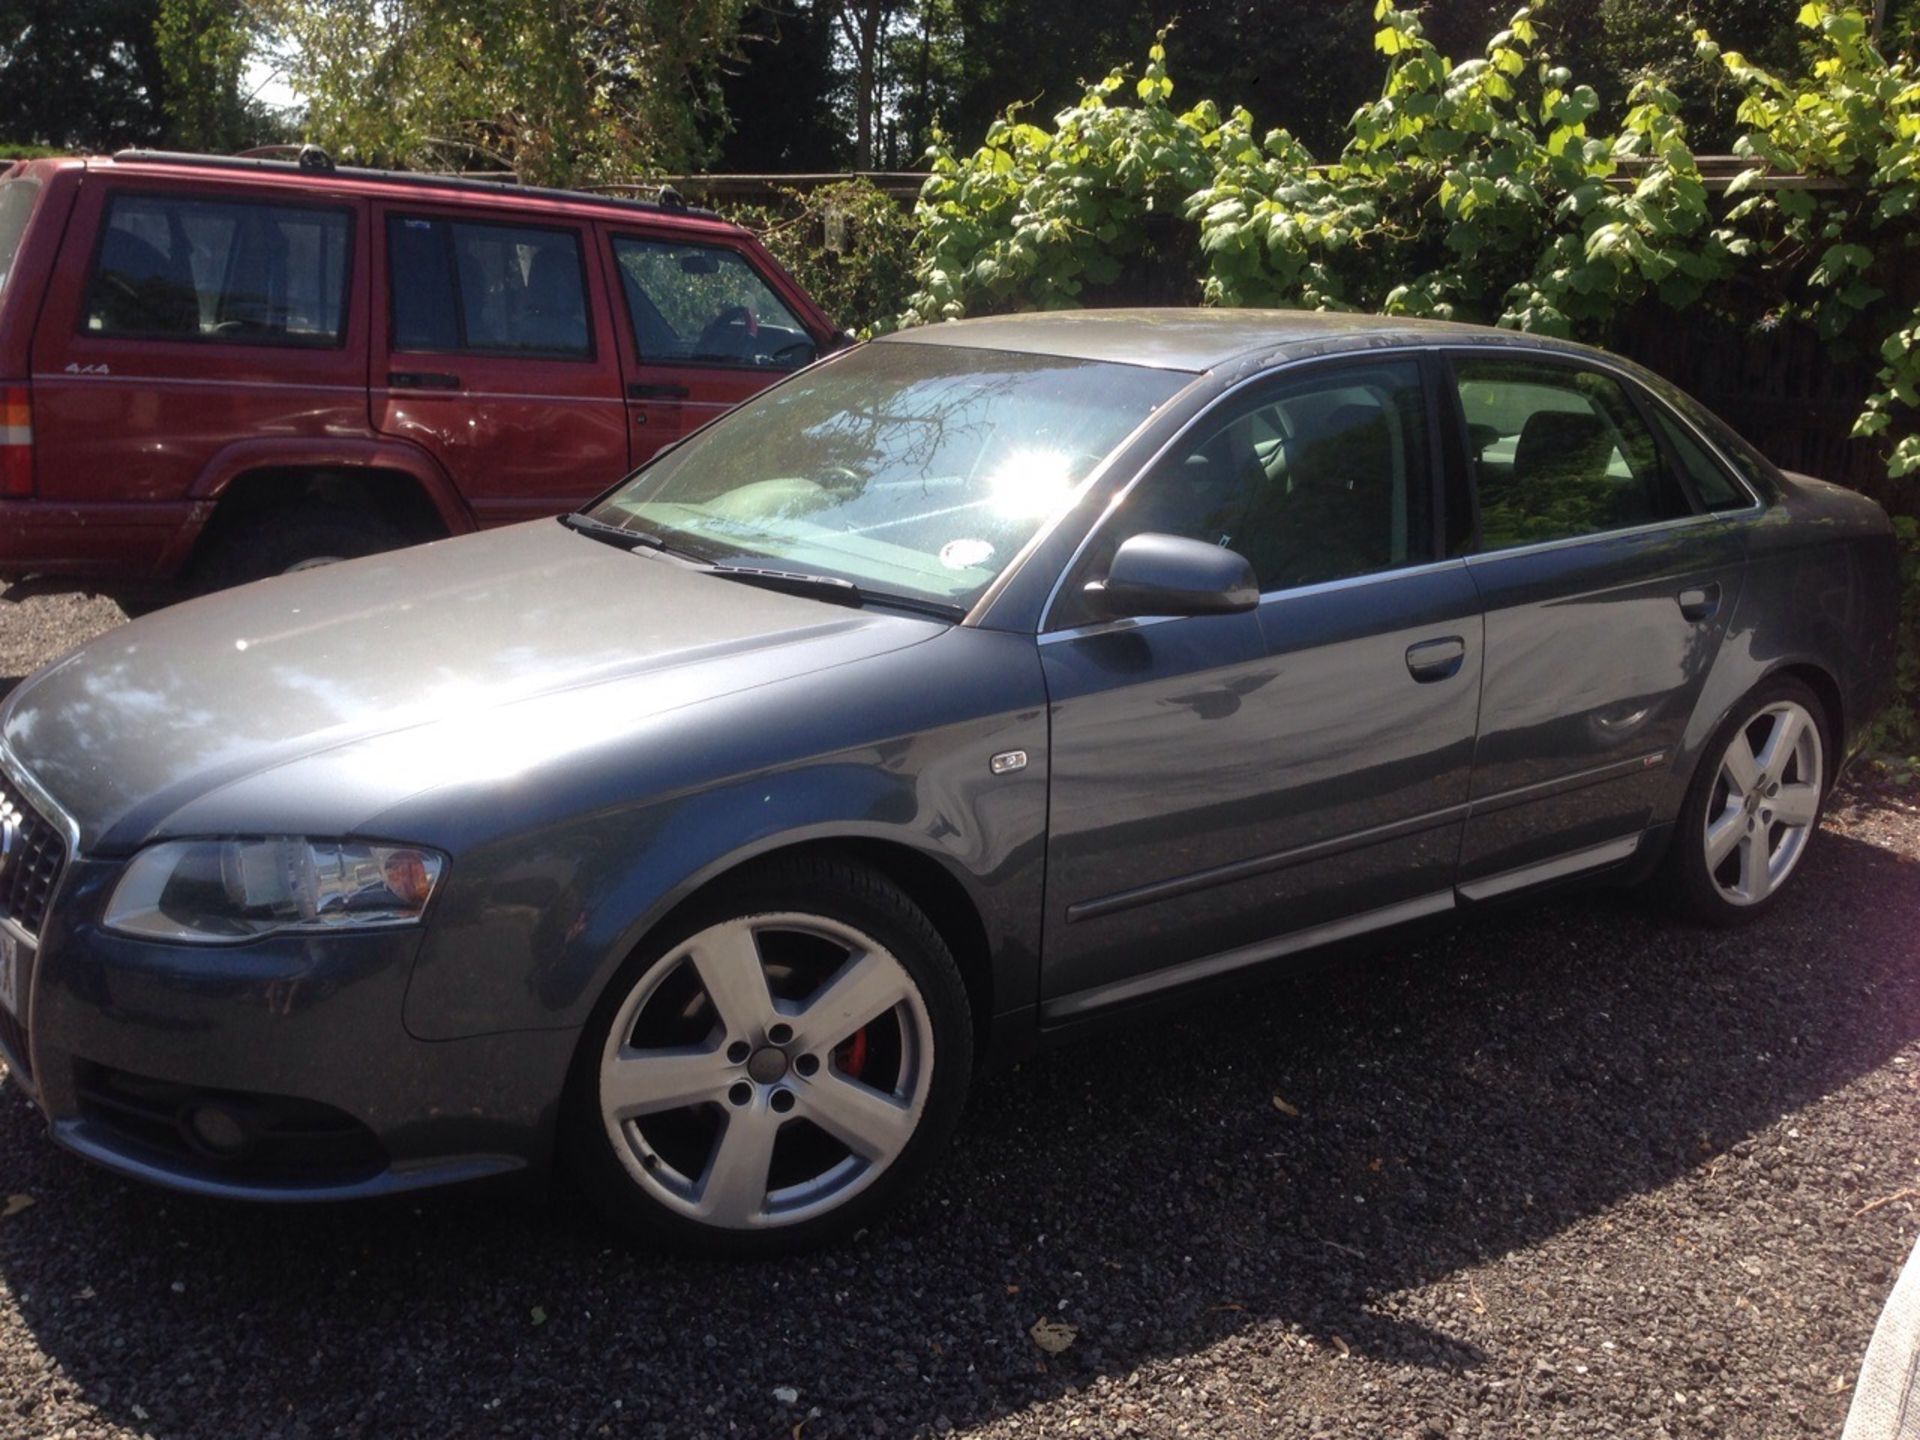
(767, 1070)
(1764, 803)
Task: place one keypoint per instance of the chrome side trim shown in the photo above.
(1573, 863)
(1562, 784)
(1156, 890)
(1136, 987)
(1630, 532)
(147, 382)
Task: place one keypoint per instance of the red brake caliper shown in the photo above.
(851, 1057)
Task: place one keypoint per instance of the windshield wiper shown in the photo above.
(608, 534)
(834, 589)
(793, 582)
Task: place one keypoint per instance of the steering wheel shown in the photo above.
(717, 328)
(794, 352)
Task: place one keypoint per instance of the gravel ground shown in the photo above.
(1569, 1170)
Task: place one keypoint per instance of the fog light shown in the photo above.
(218, 1129)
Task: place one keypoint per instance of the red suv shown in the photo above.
(220, 368)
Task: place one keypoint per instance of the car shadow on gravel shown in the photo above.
(1294, 1158)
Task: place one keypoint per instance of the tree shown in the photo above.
(203, 47)
(79, 74)
(781, 101)
(866, 26)
(558, 91)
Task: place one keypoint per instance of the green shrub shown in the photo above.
(1478, 190)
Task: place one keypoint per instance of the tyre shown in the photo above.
(776, 1071)
(1754, 805)
(284, 540)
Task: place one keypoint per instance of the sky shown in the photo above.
(265, 80)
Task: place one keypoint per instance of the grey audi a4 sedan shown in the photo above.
(960, 689)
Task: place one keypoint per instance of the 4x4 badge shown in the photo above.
(78, 369)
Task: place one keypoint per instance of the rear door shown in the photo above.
(1607, 589)
(703, 328)
(494, 351)
(186, 315)
(1227, 789)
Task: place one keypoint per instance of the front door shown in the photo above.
(704, 330)
(1607, 590)
(493, 351)
(1227, 789)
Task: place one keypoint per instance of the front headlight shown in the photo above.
(225, 890)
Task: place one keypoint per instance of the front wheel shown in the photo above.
(287, 541)
(780, 1070)
(1754, 805)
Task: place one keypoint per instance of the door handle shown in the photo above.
(639, 390)
(1700, 602)
(1433, 660)
(422, 380)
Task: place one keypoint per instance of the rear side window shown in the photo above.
(237, 272)
(503, 289)
(16, 204)
(1710, 482)
(706, 305)
(1558, 453)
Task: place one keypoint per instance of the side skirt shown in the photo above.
(1082, 1003)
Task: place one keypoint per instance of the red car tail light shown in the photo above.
(16, 442)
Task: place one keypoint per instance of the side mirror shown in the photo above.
(1170, 575)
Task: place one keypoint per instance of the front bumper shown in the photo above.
(298, 1039)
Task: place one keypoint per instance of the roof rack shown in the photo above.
(312, 160)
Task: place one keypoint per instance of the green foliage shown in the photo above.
(558, 91)
(1857, 121)
(1485, 189)
(1481, 189)
(1036, 216)
(203, 47)
(849, 245)
(1470, 190)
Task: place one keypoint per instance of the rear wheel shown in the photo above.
(779, 1071)
(285, 540)
(1754, 805)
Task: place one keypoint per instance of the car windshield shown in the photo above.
(908, 469)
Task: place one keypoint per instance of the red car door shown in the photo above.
(493, 349)
(186, 315)
(704, 326)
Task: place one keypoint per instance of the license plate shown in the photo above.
(12, 962)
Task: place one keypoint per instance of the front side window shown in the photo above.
(1558, 453)
(910, 469)
(705, 305)
(500, 289)
(1324, 479)
(239, 272)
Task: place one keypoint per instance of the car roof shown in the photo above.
(1201, 339)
